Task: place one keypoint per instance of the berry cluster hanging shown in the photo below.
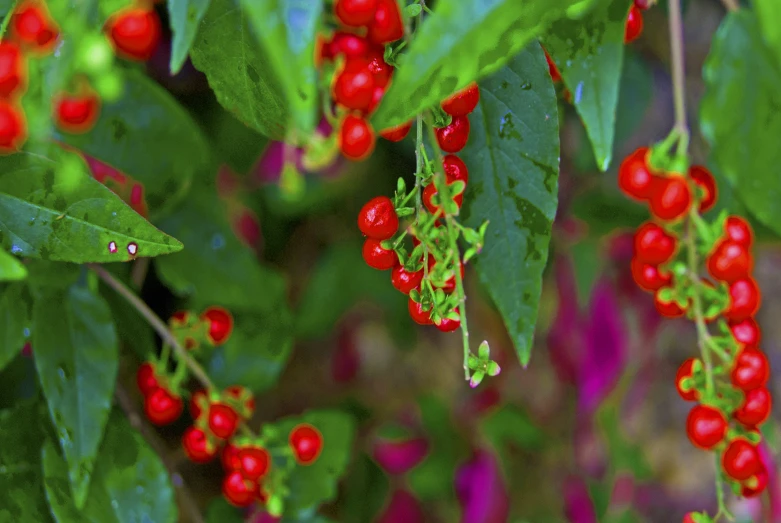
(220, 416)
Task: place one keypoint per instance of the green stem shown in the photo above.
(418, 185)
(7, 19)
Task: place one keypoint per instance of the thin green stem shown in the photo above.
(419, 151)
(7, 19)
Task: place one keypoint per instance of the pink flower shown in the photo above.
(481, 490)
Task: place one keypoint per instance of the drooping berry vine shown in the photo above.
(703, 270)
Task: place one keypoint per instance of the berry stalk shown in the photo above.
(7, 19)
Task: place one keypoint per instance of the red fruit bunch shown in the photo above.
(162, 404)
(362, 75)
(212, 327)
(134, 32)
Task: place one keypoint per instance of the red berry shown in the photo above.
(398, 133)
(634, 25)
(704, 180)
(554, 71)
(355, 13)
(653, 245)
(381, 71)
(76, 114)
(387, 26)
(197, 446)
(463, 102)
(455, 169)
(450, 285)
(135, 33)
(688, 518)
(353, 86)
(377, 95)
(755, 408)
(350, 45)
(741, 460)
(162, 407)
(404, 280)
(255, 462)
(430, 191)
(33, 27)
(378, 257)
(634, 177)
(198, 397)
(755, 485)
(648, 277)
(306, 442)
(643, 4)
(356, 138)
(670, 198)
(230, 457)
(453, 138)
(751, 369)
(238, 491)
(738, 230)
(417, 313)
(11, 73)
(746, 332)
(378, 218)
(179, 318)
(146, 379)
(220, 324)
(730, 261)
(705, 426)
(448, 324)
(685, 371)
(744, 300)
(223, 420)
(13, 130)
(668, 309)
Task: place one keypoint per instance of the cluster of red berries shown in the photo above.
(731, 294)
(361, 80)
(214, 326)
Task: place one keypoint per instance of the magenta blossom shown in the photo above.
(481, 490)
(402, 507)
(578, 506)
(398, 457)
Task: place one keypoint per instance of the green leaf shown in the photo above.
(286, 29)
(220, 511)
(51, 208)
(589, 53)
(624, 455)
(129, 485)
(739, 108)
(367, 490)
(769, 14)
(215, 267)
(185, 15)
(315, 484)
(239, 70)
(14, 320)
(11, 269)
(173, 150)
(513, 156)
(464, 40)
(22, 496)
(257, 351)
(76, 354)
(509, 425)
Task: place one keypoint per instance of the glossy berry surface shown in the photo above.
(32, 26)
(746, 332)
(220, 323)
(76, 114)
(306, 442)
(378, 257)
(223, 420)
(12, 128)
(452, 138)
(751, 369)
(668, 309)
(135, 33)
(634, 177)
(653, 245)
(355, 13)
(463, 102)
(350, 45)
(686, 371)
(740, 460)
(455, 169)
(238, 491)
(744, 300)
(449, 324)
(430, 192)
(356, 138)
(730, 261)
(634, 25)
(417, 313)
(380, 70)
(755, 485)
(353, 86)
(705, 426)
(162, 407)
(197, 446)
(738, 230)
(146, 379)
(398, 133)
(670, 198)
(388, 25)
(378, 219)
(11, 69)
(649, 277)
(230, 457)
(706, 185)
(405, 281)
(254, 462)
(755, 408)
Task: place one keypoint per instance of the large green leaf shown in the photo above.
(287, 29)
(185, 15)
(513, 159)
(14, 319)
(239, 70)
(130, 484)
(589, 53)
(11, 269)
(739, 114)
(77, 358)
(769, 16)
(464, 40)
(147, 135)
(51, 208)
(215, 267)
(22, 497)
